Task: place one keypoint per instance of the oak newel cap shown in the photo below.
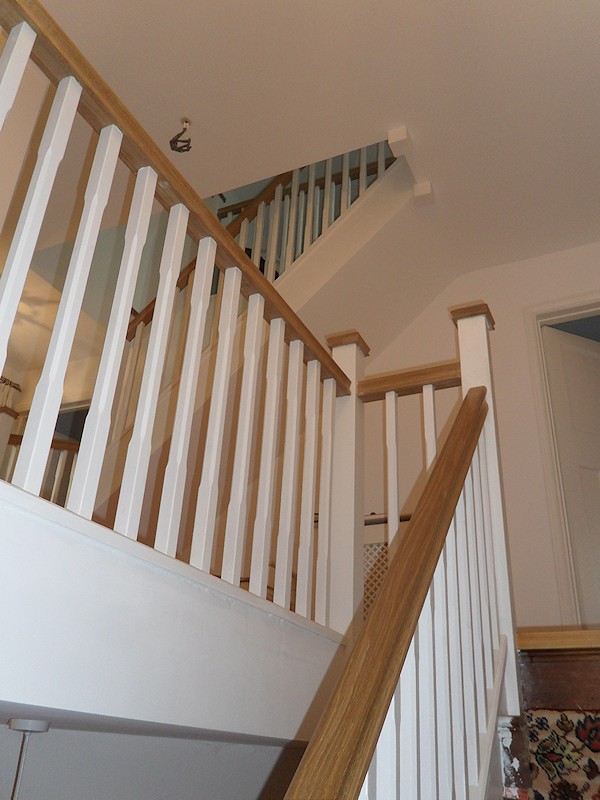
(347, 337)
(473, 310)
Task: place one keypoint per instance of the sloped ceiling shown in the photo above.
(500, 98)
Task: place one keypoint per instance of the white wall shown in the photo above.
(84, 765)
(512, 292)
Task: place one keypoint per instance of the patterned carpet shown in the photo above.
(565, 754)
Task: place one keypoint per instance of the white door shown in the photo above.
(573, 370)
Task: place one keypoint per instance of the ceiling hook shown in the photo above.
(178, 144)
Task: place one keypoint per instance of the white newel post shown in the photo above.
(473, 323)
(8, 395)
(346, 580)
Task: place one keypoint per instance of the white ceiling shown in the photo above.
(500, 97)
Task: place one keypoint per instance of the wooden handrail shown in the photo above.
(411, 381)
(251, 210)
(15, 440)
(339, 753)
(56, 55)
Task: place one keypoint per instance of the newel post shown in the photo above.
(474, 323)
(346, 581)
(8, 393)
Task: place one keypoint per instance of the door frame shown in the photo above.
(536, 318)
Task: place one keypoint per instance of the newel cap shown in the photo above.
(473, 310)
(348, 337)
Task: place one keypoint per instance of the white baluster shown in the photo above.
(489, 546)
(380, 159)
(409, 728)
(72, 470)
(362, 171)
(466, 629)
(133, 483)
(206, 505)
(387, 755)
(273, 235)
(13, 61)
(171, 504)
(304, 581)
(50, 154)
(13, 452)
(473, 578)
(327, 197)
(324, 526)
(345, 192)
(437, 597)
(287, 512)
(261, 539)
(459, 754)
(310, 202)
(290, 247)
(284, 233)
(235, 530)
(300, 225)
(129, 378)
(258, 234)
(481, 568)
(59, 474)
(86, 475)
(243, 234)
(45, 405)
(391, 451)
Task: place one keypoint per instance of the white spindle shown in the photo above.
(310, 202)
(258, 234)
(345, 191)
(273, 239)
(243, 235)
(380, 159)
(287, 509)
(459, 753)
(409, 728)
(327, 197)
(171, 504)
(285, 226)
(489, 547)
(290, 248)
(473, 578)
(235, 530)
(304, 581)
(206, 505)
(140, 447)
(387, 755)
(129, 379)
(466, 637)
(45, 405)
(481, 565)
(13, 452)
(261, 538)
(362, 171)
(300, 225)
(324, 525)
(13, 61)
(59, 474)
(391, 452)
(86, 475)
(50, 154)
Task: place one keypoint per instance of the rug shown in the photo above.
(565, 754)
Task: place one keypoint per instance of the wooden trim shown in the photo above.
(473, 310)
(57, 57)
(561, 637)
(15, 440)
(411, 381)
(251, 210)
(342, 746)
(347, 337)
(9, 411)
(144, 317)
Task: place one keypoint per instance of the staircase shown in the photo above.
(132, 616)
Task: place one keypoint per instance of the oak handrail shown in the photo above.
(339, 753)
(251, 210)
(15, 440)
(410, 381)
(56, 55)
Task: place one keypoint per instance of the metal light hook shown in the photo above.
(178, 144)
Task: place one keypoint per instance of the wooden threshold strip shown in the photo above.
(342, 746)
(559, 637)
(440, 376)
